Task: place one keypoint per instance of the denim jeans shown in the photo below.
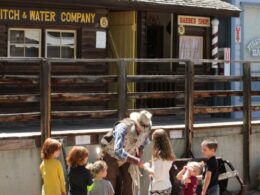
(214, 190)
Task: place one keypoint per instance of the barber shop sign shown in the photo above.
(254, 47)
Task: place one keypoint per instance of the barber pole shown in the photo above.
(215, 24)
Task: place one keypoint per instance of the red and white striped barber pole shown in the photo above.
(214, 44)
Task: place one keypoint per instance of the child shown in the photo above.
(189, 177)
(80, 179)
(162, 160)
(51, 169)
(101, 186)
(210, 187)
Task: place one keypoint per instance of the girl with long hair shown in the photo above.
(161, 163)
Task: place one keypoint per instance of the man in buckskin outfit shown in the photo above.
(122, 148)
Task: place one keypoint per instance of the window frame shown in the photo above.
(24, 29)
(61, 31)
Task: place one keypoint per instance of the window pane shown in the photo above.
(17, 50)
(67, 39)
(67, 52)
(53, 38)
(53, 51)
(16, 36)
(32, 51)
(32, 36)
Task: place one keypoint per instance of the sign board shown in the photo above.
(101, 39)
(103, 22)
(238, 34)
(227, 61)
(82, 139)
(254, 47)
(51, 16)
(194, 21)
(176, 134)
(181, 30)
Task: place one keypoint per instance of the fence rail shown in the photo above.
(45, 80)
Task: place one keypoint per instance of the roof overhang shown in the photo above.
(219, 8)
(214, 8)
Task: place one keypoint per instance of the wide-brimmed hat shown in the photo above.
(143, 119)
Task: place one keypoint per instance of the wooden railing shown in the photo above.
(45, 96)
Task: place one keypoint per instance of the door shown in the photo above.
(122, 41)
(194, 44)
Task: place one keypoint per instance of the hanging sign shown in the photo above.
(103, 22)
(181, 30)
(49, 16)
(227, 61)
(194, 21)
(238, 34)
(254, 47)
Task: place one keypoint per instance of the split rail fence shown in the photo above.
(45, 96)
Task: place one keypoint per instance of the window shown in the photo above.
(191, 47)
(24, 42)
(60, 44)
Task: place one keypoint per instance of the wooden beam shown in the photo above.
(216, 78)
(189, 110)
(247, 118)
(9, 99)
(255, 108)
(219, 93)
(95, 97)
(156, 95)
(19, 79)
(154, 78)
(21, 117)
(45, 99)
(216, 109)
(75, 97)
(122, 89)
(161, 111)
(83, 114)
(80, 79)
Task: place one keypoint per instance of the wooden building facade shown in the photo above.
(101, 29)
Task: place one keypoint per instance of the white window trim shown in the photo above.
(61, 31)
(24, 29)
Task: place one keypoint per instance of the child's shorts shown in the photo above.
(161, 192)
(214, 190)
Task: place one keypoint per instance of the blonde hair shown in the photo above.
(77, 156)
(162, 146)
(97, 167)
(49, 147)
(197, 167)
(211, 144)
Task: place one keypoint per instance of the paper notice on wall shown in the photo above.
(101, 39)
(82, 139)
(227, 61)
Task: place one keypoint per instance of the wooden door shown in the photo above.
(122, 41)
(194, 44)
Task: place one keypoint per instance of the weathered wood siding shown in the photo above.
(86, 48)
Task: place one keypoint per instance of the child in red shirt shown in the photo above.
(189, 177)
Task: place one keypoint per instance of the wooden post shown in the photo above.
(122, 89)
(45, 99)
(189, 109)
(247, 118)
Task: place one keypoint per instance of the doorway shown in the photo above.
(154, 43)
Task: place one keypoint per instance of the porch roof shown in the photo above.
(195, 7)
(211, 7)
